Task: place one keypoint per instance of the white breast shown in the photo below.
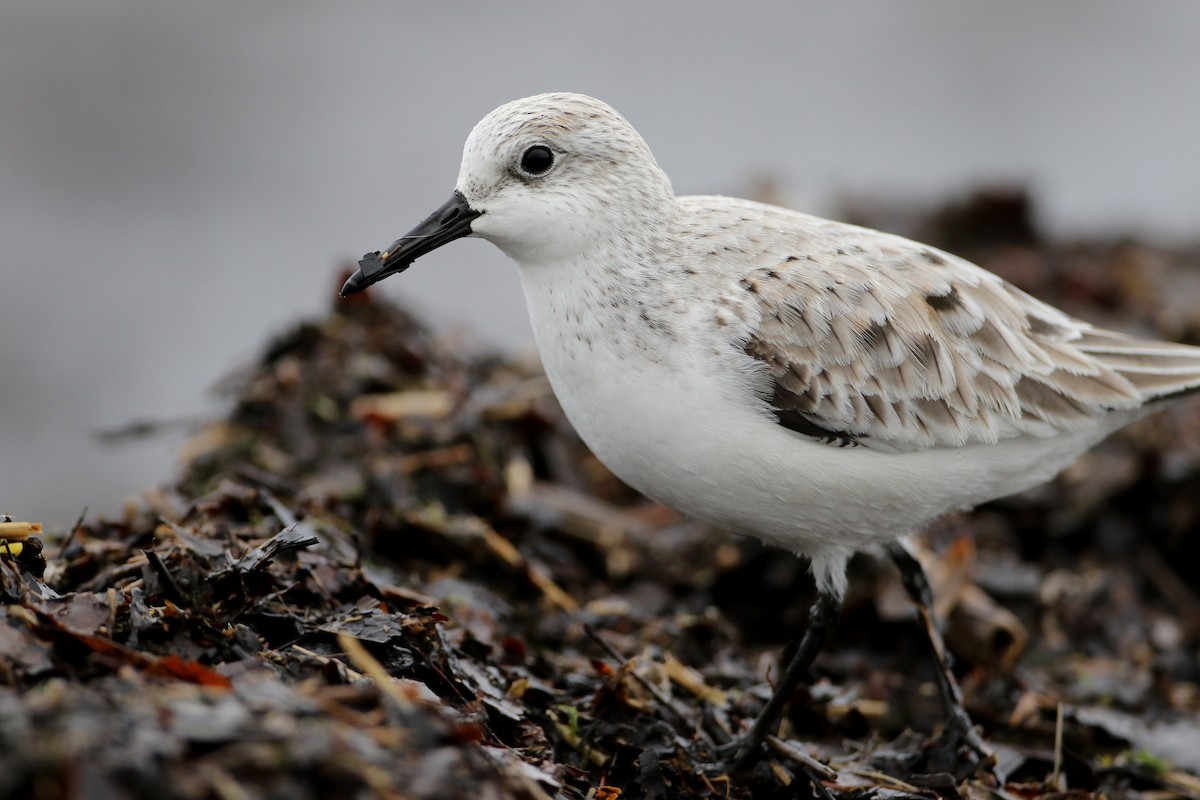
(674, 414)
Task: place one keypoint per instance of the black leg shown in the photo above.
(916, 582)
(822, 617)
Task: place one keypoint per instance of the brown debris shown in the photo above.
(393, 571)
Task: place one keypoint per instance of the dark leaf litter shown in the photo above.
(393, 571)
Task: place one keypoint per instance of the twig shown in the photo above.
(110, 575)
(527, 783)
(509, 553)
(1056, 776)
(662, 699)
(1166, 582)
(62, 548)
(324, 660)
(170, 587)
(594, 635)
(223, 784)
(146, 428)
(369, 666)
(785, 749)
(884, 779)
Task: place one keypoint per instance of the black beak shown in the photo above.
(451, 221)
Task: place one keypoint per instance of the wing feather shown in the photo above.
(900, 345)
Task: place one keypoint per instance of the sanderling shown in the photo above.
(818, 385)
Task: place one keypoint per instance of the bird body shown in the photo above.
(821, 386)
(649, 359)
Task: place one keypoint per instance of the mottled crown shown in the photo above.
(591, 131)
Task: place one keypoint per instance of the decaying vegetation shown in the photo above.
(392, 570)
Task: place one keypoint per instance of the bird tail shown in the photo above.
(1158, 370)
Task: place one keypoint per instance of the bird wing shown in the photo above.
(877, 340)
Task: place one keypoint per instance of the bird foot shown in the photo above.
(958, 734)
(959, 727)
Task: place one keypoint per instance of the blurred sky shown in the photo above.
(180, 180)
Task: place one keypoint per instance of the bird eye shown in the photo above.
(537, 159)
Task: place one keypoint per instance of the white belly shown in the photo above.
(686, 430)
(726, 464)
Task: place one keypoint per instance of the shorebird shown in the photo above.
(821, 386)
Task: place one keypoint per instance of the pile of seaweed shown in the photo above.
(394, 571)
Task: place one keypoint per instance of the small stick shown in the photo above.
(885, 779)
(664, 701)
(361, 658)
(1056, 776)
(62, 548)
(508, 552)
(171, 588)
(785, 749)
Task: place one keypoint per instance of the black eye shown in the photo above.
(537, 159)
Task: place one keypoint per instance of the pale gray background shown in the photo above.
(179, 180)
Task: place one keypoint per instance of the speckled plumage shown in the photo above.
(821, 386)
